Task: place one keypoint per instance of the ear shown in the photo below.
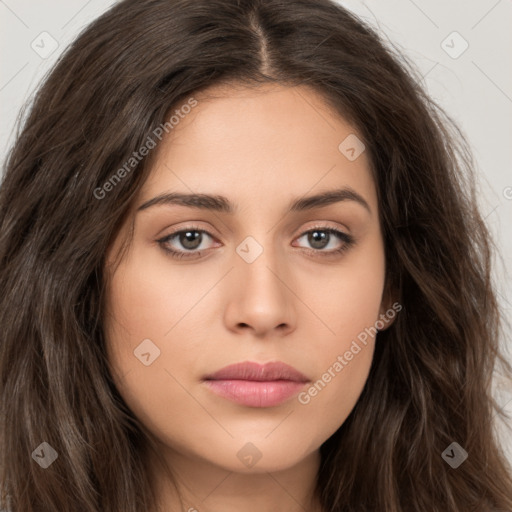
(389, 308)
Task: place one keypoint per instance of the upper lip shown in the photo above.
(258, 372)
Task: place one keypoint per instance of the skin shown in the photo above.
(261, 148)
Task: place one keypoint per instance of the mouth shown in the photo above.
(255, 385)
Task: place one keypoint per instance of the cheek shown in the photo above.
(347, 298)
(349, 307)
(145, 322)
(146, 299)
(343, 364)
(139, 298)
(337, 388)
(137, 316)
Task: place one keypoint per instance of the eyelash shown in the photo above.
(348, 240)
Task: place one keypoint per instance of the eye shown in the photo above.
(320, 238)
(188, 240)
(188, 243)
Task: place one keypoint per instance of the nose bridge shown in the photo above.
(261, 300)
(259, 262)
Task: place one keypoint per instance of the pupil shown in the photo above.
(189, 239)
(317, 239)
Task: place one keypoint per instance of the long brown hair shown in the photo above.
(430, 381)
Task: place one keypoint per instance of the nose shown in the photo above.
(261, 299)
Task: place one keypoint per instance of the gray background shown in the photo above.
(473, 84)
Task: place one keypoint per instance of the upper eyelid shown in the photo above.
(203, 230)
(184, 230)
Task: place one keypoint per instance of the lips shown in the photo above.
(255, 385)
(259, 373)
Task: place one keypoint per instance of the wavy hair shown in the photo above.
(430, 380)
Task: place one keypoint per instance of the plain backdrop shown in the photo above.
(461, 48)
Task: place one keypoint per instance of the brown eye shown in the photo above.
(189, 239)
(185, 242)
(320, 238)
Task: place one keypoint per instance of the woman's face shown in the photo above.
(256, 280)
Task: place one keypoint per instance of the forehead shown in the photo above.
(259, 145)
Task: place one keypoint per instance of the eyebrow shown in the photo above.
(222, 204)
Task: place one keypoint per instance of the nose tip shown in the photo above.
(261, 301)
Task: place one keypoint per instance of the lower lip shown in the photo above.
(253, 393)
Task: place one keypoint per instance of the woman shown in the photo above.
(243, 267)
